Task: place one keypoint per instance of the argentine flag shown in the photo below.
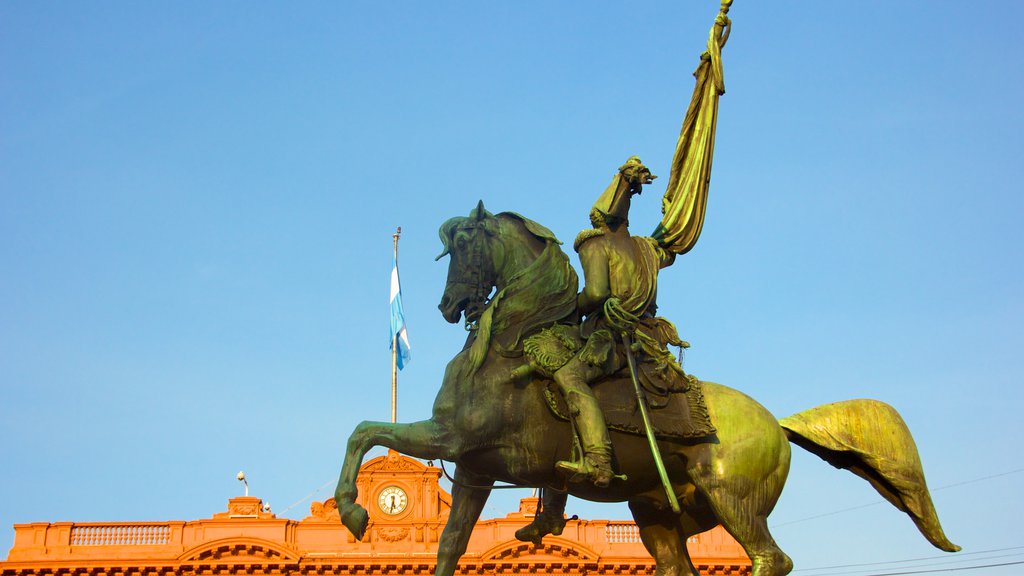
(398, 331)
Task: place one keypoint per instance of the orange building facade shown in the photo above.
(408, 510)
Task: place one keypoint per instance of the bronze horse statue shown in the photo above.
(496, 426)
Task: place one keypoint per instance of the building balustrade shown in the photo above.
(133, 534)
(622, 533)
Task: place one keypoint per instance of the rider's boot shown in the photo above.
(550, 520)
(596, 464)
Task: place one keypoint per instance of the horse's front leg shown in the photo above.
(469, 494)
(424, 439)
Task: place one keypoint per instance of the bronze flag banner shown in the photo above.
(687, 194)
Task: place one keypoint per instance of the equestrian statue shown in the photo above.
(576, 392)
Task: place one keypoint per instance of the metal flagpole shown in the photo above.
(394, 349)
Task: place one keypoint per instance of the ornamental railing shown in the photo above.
(622, 533)
(120, 534)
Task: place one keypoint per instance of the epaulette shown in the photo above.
(584, 236)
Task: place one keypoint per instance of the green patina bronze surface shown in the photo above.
(491, 418)
(525, 401)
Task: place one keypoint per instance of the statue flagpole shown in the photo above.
(394, 334)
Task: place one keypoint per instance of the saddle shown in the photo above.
(675, 401)
(676, 416)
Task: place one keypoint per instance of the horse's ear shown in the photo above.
(479, 213)
(445, 232)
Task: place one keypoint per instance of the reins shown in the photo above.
(473, 486)
(491, 487)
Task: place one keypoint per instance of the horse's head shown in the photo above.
(471, 271)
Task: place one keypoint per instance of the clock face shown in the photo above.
(392, 500)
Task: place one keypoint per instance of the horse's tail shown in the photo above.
(870, 439)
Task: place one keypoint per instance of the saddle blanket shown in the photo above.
(681, 415)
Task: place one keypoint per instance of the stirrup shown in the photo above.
(592, 467)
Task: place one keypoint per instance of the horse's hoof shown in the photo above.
(355, 518)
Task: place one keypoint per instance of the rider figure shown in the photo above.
(621, 275)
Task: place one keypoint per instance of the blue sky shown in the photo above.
(197, 202)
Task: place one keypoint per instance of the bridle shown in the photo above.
(477, 273)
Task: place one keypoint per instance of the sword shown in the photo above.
(641, 399)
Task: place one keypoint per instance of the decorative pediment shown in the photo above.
(551, 549)
(326, 511)
(392, 462)
(245, 507)
(239, 550)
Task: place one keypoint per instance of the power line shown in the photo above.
(918, 566)
(306, 497)
(824, 514)
(947, 569)
(877, 502)
(960, 554)
(978, 479)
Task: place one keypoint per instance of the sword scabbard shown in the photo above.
(641, 399)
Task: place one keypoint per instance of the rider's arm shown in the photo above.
(665, 257)
(597, 287)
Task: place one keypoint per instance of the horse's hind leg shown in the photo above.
(745, 519)
(423, 439)
(741, 476)
(664, 538)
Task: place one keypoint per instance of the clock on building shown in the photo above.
(392, 500)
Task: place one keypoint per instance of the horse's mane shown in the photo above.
(540, 295)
